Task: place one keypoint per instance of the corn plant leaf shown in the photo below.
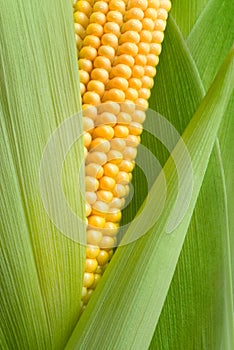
(124, 311)
(41, 269)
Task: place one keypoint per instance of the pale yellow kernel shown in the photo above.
(135, 83)
(107, 51)
(89, 111)
(131, 94)
(94, 29)
(90, 197)
(111, 228)
(102, 62)
(146, 36)
(117, 83)
(115, 95)
(150, 71)
(132, 24)
(96, 157)
(90, 265)
(118, 144)
(121, 131)
(160, 25)
(122, 178)
(87, 296)
(138, 116)
(106, 118)
(84, 292)
(111, 170)
(165, 4)
(88, 279)
(100, 74)
(92, 40)
(84, 76)
(143, 48)
(85, 152)
(96, 86)
(130, 177)
(138, 72)
(105, 196)
(155, 49)
(85, 65)
(151, 13)
(98, 17)
(132, 140)
(99, 145)
(79, 42)
(103, 257)
(135, 128)
(114, 156)
(124, 59)
(140, 60)
(126, 165)
(83, 6)
(91, 97)
(113, 215)
(154, 3)
(130, 153)
(94, 170)
(116, 203)
(87, 139)
(142, 4)
(115, 16)
(94, 237)
(91, 183)
(110, 39)
(107, 183)
(96, 221)
(88, 52)
(128, 49)
(134, 13)
(124, 118)
(119, 191)
(147, 82)
(81, 18)
(142, 103)
(130, 36)
(88, 124)
(107, 242)
(112, 27)
(117, 5)
(152, 60)
(127, 106)
(82, 89)
(97, 278)
(148, 24)
(88, 209)
(100, 6)
(157, 37)
(99, 270)
(110, 107)
(100, 208)
(144, 93)
(79, 30)
(92, 251)
(162, 14)
(104, 131)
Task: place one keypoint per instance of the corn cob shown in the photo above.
(118, 45)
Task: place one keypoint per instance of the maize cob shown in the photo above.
(118, 45)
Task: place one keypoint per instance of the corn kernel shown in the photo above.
(87, 209)
(85, 65)
(104, 131)
(115, 16)
(100, 145)
(134, 13)
(92, 251)
(113, 215)
(87, 139)
(118, 144)
(112, 27)
(91, 265)
(105, 196)
(107, 242)
(122, 178)
(88, 52)
(107, 51)
(100, 74)
(98, 17)
(84, 76)
(91, 183)
(111, 170)
(142, 4)
(84, 7)
(94, 170)
(92, 40)
(100, 208)
(103, 257)
(107, 183)
(130, 36)
(148, 24)
(102, 62)
(124, 118)
(94, 29)
(135, 83)
(121, 70)
(91, 97)
(96, 157)
(147, 82)
(110, 39)
(121, 131)
(88, 279)
(90, 197)
(101, 6)
(118, 83)
(129, 153)
(81, 18)
(126, 165)
(96, 221)
(117, 5)
(124, 59)
(97, 278)
(114, 156)
(115, 95)
(110, 229)
(130, 93)
(96, 86)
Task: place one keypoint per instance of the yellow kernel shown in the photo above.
(88, 124)
(89, 111)
(110, 39)
(132, 140)
(96, 86)
(106, 118)
(126, 165)
(82, 89)
(140, 60)
(96, 157)
(102, 62)
(87, 139)
(92, 251)
(100, 208)
(117, 5)
(111, 228)
(151, 13)
(90, 197)
(138, 71)
(122, 178)
(132, 24)
(147, 82)
(96, 221)
(127, 107)
(165, 4)
(105, 196)
(118, 83)
(91, 183)
(128, 48)
(131, 94)
(94, 29)
(78, 41)
(157, 37)
(160, 25)
(146, 36)
(84, 76)
(150, 71)
(94, 170)
(119, 191)
(124, 118)
(88, 209)
(124, 59)
(79, 29)
(92, 40)
(101, 6)
(85, 152)
(81, 18)
(138, 116)
(90, 265)
(111, 170)
(107, 242)
(100, 145)
(84, 7)
(113, 215)
(94, 237)
(152, 60)
(115, 16)
(115, 95)
(135, 128)
(107, 183)
(97, 278)
(104, 131)
(116, 203)
(130, 153)
(85, 65)
(99, 270)
(107, 51)
(87, 296)
(162, 14)
(144, 93)
(130, 36)
(143, 48)
(134, 13)
(154, 3)
(103, 257)
(88, 52)
(88, 279)
(98, 17)
(121, 131)
(91, 97)
(135, 83)
(142, 4)
(110, 107)
(118, 144)
(114, 156)
(148, 24)
(100, 74)
(112, 27)
(155, 49)
(84, 292)
(141, 103)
